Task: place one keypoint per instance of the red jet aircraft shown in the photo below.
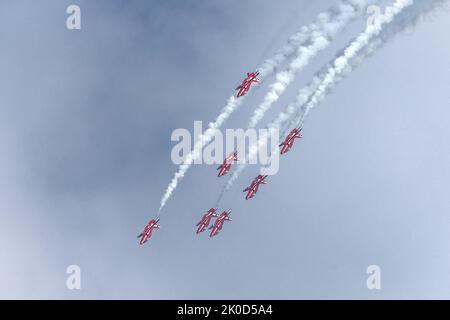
(252, 77)
(253, 188)
(289, 141)
(147, 233)
(206, 220)
(224, 216)
(226, 165)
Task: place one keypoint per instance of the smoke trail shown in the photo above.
(268, 67)
(363, 46)
(232, 104)
(334, 21)
(408, 17)
(341, 63)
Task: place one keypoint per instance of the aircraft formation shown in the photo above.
(251, 190)
(296, 54)
(218, 223)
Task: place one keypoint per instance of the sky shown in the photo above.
(85, 126)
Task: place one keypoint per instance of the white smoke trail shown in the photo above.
(333, 22)
(304, 34)
(364, 45)
(407, 18)
(342, 62)
(268, 67)
(204, 139)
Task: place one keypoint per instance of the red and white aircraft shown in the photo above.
(252, 77)
(289, 141)
(226, 165)
(217, 226)
(253, 188)
(206, 220)
(147, 233)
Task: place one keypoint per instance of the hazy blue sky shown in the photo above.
(86, 119)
